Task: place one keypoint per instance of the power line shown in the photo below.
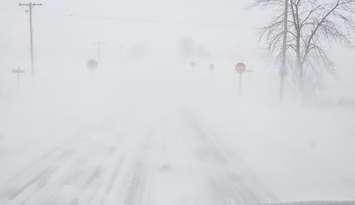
(156, 21)
(30, 8)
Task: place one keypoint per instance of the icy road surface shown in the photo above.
(174, 161)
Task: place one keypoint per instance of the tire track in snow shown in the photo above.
(27, 176)
(63, 170)
(36, 191)
(94, 183)
(112, 181)
(38, 165)
(231, 182)
(136, 186)
(86, 187)
(134, 183)
(27, 183)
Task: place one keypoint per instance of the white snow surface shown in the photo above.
(130, 136)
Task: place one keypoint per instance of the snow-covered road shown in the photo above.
(175, 161)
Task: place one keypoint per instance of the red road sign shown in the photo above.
(92, 64)
(240, 68)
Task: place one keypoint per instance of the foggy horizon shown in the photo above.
(177, 102)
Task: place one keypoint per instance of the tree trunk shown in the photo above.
(299, 64)
(283, 69)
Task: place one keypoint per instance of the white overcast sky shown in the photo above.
(74, 23)
(72, 26)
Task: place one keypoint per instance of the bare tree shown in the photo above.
(276, 35)
(310, 26)
(315, 22)
(283, 69)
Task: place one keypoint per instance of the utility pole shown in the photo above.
(283, 69)
(30, 7)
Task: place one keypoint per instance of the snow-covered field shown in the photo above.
(130, 136)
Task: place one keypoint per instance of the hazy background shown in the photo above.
(65, 33)
(299, 153)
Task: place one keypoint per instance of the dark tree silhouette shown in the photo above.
(300, 33)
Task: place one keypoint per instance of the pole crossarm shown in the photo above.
(18, 71)
(30, 4)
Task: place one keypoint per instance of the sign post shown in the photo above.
(241, 68)
(211, 67)
(99, 45)
(18, 71)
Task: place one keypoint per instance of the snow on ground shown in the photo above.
(177, 136)
(300, 153)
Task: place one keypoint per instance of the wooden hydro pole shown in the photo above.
(30, 10)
